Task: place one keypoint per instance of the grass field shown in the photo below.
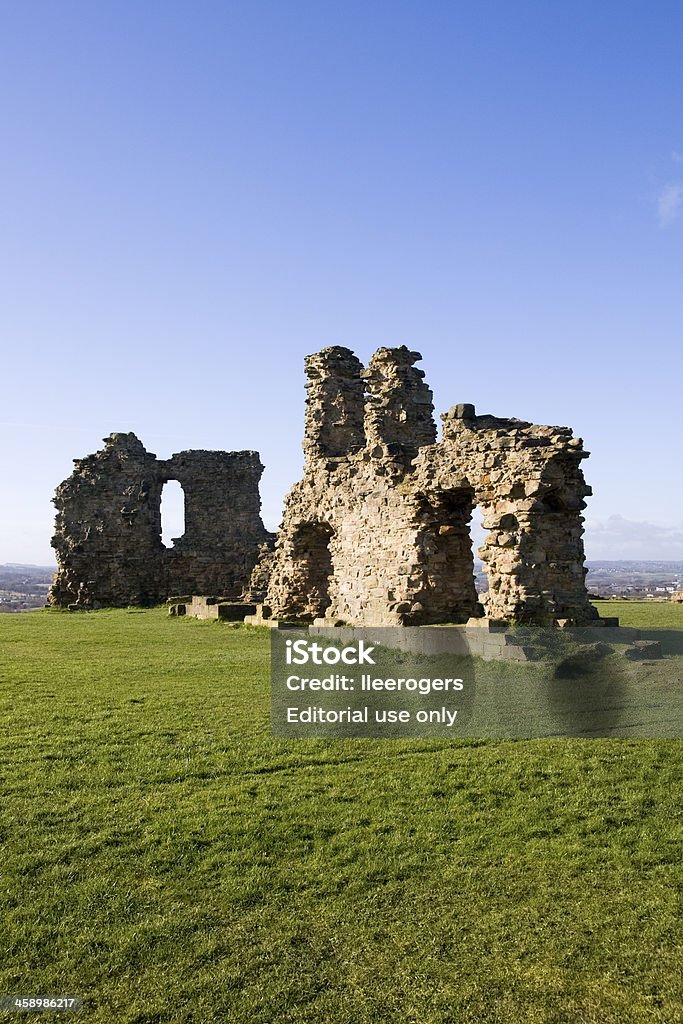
(168, 860)
(644, 614)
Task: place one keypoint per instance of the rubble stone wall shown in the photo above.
(223, 528)
(108, 526)
(377, 531)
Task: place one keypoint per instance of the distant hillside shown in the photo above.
(23, 587)
(20, 568)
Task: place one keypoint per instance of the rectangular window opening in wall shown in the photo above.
(172, 513)
(479, 533)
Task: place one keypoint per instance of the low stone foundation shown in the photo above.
(199, 607)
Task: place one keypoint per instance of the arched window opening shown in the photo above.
(172, 513)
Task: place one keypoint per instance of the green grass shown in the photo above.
(644, 614)
(167, 859)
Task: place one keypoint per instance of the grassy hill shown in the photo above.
(168, 860)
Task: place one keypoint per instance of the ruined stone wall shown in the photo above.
(528, 483)
(223, 528)
(108, 526)
(398, 406)
(335, 406)
(377, 531)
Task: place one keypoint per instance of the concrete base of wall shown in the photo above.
(484, 638)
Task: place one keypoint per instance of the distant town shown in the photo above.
(24, 587)
(637, 581)
(624, 581)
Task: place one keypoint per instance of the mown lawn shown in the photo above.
(644, 614)
(168, 860)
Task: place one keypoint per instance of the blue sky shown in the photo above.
(195, 196)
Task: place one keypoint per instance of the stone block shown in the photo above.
(644, 650)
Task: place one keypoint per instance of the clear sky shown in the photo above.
(196, 195)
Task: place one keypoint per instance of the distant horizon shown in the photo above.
(52, 566)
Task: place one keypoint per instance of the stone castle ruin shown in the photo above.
(376, 532)
(108, 527)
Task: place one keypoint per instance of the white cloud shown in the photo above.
(670, 203)
(618, 538)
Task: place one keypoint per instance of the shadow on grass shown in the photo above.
(670, 639)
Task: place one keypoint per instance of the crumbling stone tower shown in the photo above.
(377, 531)
(108, 526)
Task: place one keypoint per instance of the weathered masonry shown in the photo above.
(108, 527)
(377, 531)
